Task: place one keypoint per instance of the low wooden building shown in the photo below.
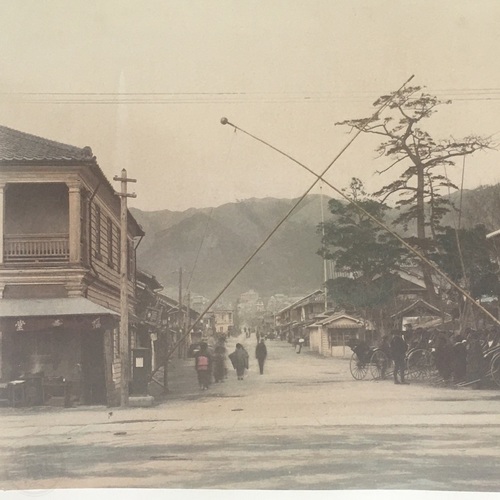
(336, 330)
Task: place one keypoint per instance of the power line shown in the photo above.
(477, 90)
(235, 97)
(376, 221)
(224, 121)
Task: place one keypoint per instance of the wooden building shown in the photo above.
(335, 330)
(59, 271)
(223, 321)
(292, 321)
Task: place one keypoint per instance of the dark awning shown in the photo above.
(20, 315)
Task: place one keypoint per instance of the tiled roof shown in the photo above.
(16, 146)
(312, 297)
(20, 147)
(418, 304)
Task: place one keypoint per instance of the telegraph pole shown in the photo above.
(187, 333)
(124, 343)
(180, 317)
(325, 272)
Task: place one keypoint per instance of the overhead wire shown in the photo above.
(235, 97)
(224, 121)
(379, 223)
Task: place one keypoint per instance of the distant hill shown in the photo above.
(287, 264)
(479, 206)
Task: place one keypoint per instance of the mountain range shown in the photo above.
(211, 244)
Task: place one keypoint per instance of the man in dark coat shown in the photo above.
(398, 351)
(261, 355)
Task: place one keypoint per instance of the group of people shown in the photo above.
(462, 357)
(458, 357)
(209, 363)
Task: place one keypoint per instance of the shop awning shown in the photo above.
(73, 306)
(78, 313)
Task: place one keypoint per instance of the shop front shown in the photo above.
(56, 351)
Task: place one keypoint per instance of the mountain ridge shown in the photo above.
(288, 263)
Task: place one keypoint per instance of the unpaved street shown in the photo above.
(304, 424)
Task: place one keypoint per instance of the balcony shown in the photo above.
(36, 249)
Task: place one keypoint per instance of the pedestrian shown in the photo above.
(475, 359)
(203, 366)
(298, 345)
(384, 344)
(398, 351)
(219, 362)
(444, 355)
(261, 355)
(239, 359)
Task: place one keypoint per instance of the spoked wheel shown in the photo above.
(358, 368)
(419, 364)
(495, 369)
(379, 365)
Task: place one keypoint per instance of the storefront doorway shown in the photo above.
(94, 383)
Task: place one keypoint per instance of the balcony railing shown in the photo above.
(36, 248)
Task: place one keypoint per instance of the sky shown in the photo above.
(145, 84)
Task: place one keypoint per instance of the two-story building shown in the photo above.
(292, 320)
(59, 271)
(223, 321)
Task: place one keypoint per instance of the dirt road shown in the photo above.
(304, 424)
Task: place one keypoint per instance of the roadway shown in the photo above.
(304, 424)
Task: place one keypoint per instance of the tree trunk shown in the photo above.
(426, 270)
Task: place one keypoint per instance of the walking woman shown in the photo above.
(239, 359)
(203, 366)
(220, 362)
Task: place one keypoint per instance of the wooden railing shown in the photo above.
(36, 248)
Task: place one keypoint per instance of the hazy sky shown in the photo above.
(145, 83)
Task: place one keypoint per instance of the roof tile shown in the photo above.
(20, 146)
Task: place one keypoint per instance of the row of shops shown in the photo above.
(327, 331)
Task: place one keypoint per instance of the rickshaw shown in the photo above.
(366, 359)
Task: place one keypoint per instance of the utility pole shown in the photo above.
(124, 344)
(167, 356)
(325, 272)
(180, 322)
(188, 324)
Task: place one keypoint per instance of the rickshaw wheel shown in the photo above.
(419, 364)
(379, 365)
(358, 368)
(495, 369)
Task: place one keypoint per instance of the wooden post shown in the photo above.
(124, 340)
(75, 225)
(2, 210)
(188, 325)
(165, 367)
(108, 367)
(180, 317)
